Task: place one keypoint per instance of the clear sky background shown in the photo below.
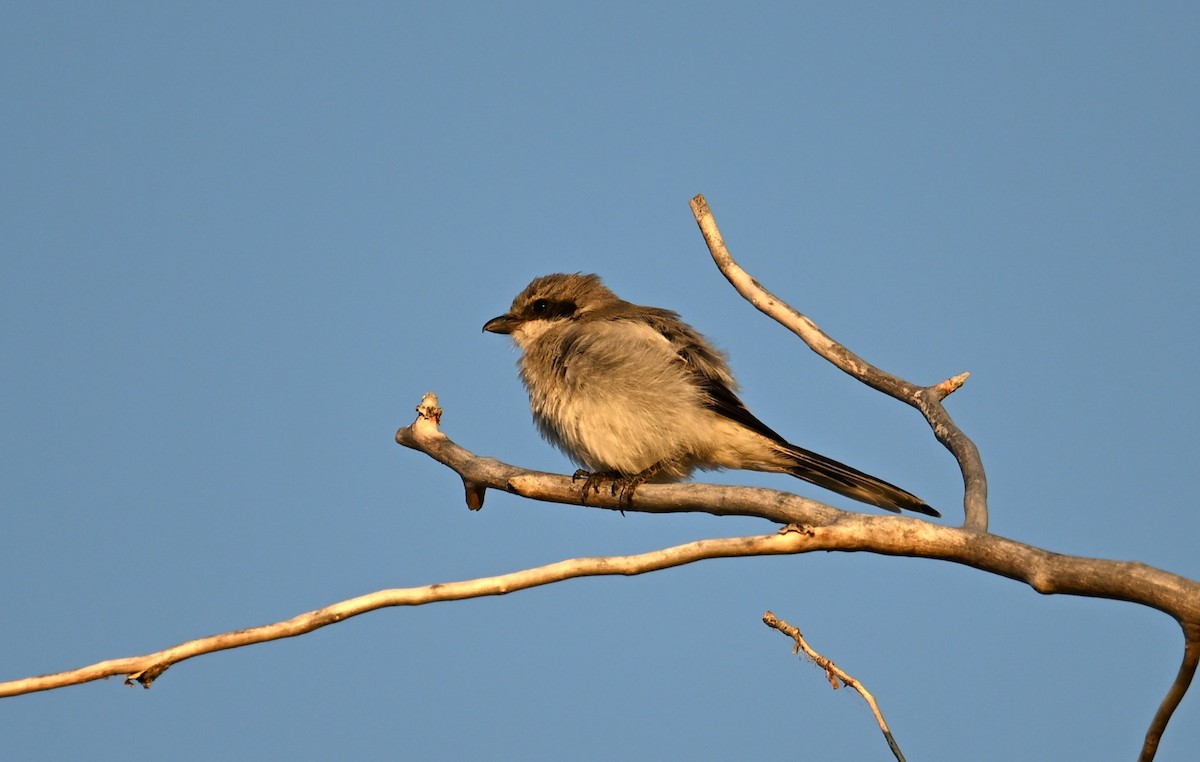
(241, 240)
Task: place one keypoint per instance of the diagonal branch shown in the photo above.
(148, 667)
(836, 675)
(927, 399)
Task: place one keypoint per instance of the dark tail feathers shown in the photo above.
(853, 483)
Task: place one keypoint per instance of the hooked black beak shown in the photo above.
(502, 324)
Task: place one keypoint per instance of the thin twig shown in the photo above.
(927, 399)
(834, 674)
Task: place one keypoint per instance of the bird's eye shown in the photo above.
(540, 306)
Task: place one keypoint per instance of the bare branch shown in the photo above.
(927, 399)
(145, 669)
(834, 674)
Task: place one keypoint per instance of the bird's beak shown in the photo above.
(502, 324)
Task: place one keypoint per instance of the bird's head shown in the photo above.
(550, 300)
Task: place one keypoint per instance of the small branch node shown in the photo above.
(146, 677)
(476, 491)
(950, 385)
(429, 416)
(803, 529)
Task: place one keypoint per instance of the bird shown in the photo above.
(634, 394)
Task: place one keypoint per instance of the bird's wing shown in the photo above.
(710, 370)
(723, 401)
(699, 354)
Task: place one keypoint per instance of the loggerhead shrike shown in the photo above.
(634, 394)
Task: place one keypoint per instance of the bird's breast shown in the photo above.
(614, 400)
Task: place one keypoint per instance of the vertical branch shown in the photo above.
(1175, 694)
(927, 399)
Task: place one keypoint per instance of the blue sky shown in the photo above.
(241, 240)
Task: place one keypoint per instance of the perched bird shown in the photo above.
(634, 394)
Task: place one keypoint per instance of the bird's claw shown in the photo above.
(591, 481)
(622, 487)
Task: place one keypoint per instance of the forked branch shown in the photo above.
(927, 399)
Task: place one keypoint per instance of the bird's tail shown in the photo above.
(828, 473)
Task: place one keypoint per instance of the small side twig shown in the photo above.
(836, 675)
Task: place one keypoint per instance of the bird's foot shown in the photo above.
(624, 487)
(621, 486)
(592, 481)
(631, 483)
